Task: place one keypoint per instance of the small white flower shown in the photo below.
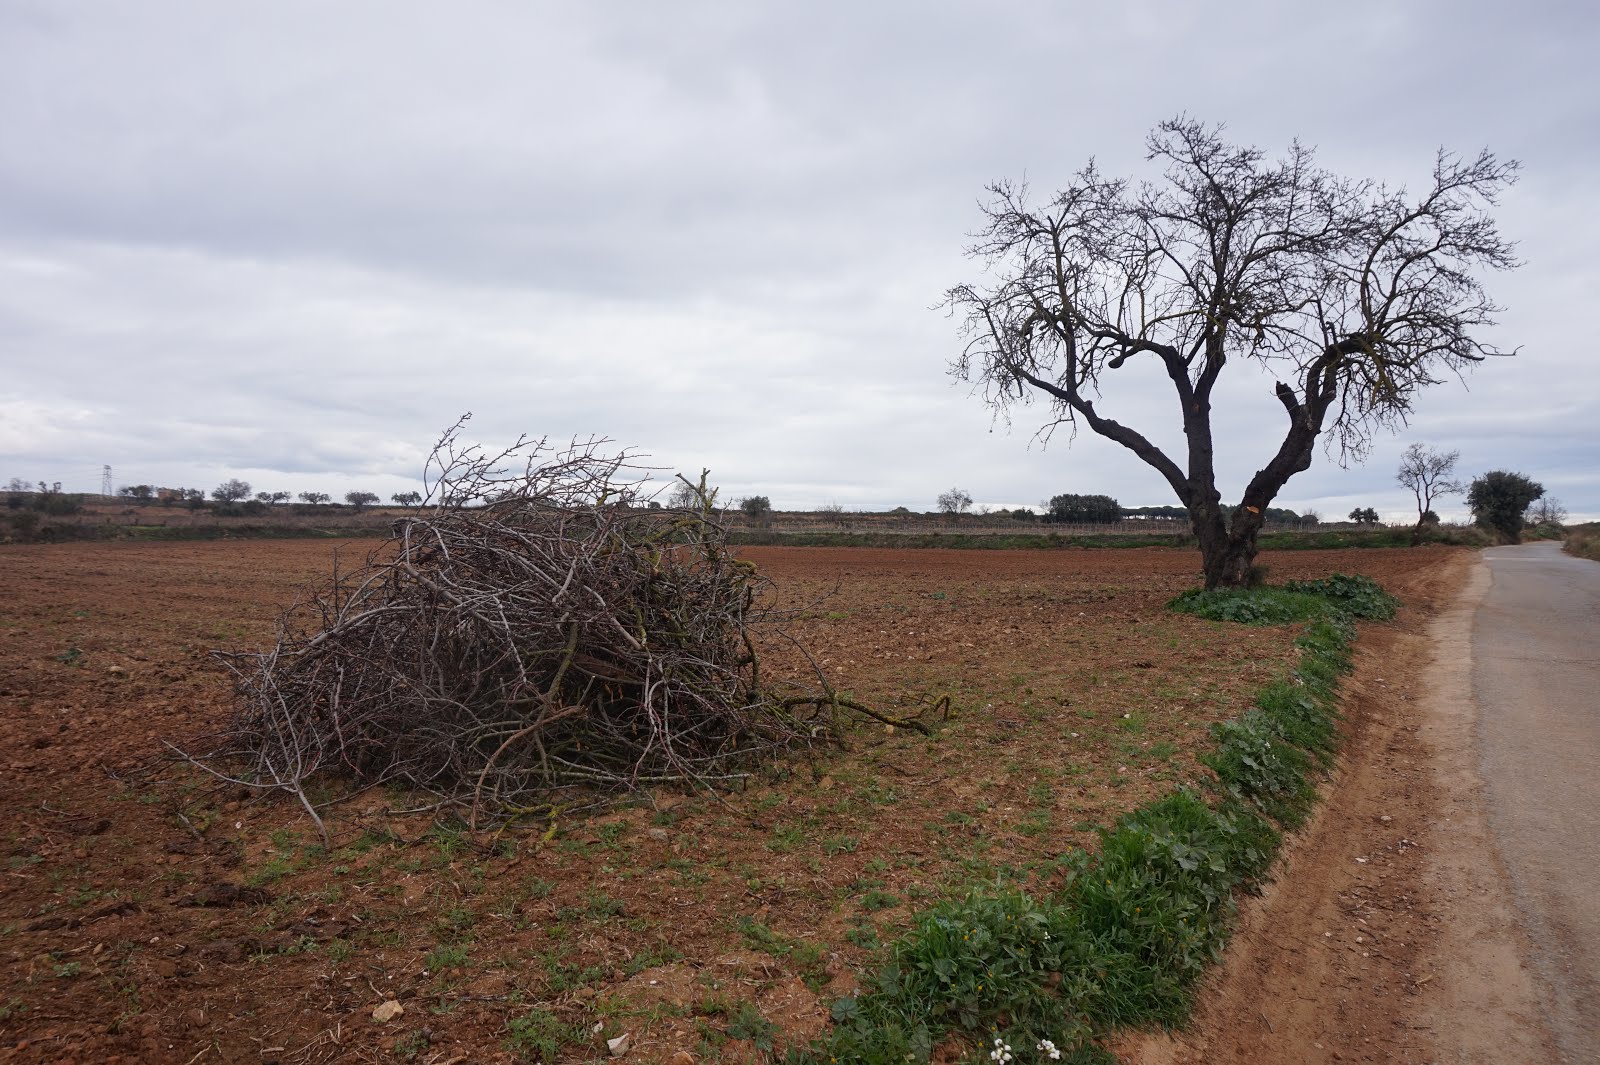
(1001, 1053)
(1049, 1050)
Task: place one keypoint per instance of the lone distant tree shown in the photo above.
(1500, 499)
(1084, 509)
(406, 499)
(1354, 295)
(314, 498)
(231, 491)
(1364, 516)
(756, 508)
(1428, 474)
(137, 493)
(954, 502)
(681, 497)
(1548, 511)
(361, 499)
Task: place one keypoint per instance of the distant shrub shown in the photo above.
(24, 525)
(57, 505)
(1499, 500)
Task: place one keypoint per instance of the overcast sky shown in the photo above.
(292, 241)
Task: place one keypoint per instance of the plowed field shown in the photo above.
(149, 916)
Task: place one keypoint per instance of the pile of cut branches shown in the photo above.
(526, 633)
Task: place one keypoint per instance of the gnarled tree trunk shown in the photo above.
(1227, 552)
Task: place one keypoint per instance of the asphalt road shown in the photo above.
(1536, 683)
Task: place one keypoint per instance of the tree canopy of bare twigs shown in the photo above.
(1548, 511)
(527, 632)
(1428, 474)
(1353, 294)
(956, 501)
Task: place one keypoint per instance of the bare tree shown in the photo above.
(1353, 294)
(1428, 474)
(835, 513)
(1547, 511)
(956, 501)
(682, 495)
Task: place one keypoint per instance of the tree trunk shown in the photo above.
(1227, 555)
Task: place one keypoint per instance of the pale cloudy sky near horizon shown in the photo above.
(291, 242)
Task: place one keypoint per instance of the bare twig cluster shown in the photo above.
(525, 633)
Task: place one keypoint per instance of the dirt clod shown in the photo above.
(223, 894)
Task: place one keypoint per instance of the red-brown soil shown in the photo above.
(153, 917)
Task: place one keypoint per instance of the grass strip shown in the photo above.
(1020, 978)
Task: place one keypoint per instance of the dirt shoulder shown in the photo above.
(1390, 934)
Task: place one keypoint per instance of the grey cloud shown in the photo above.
(302, 237)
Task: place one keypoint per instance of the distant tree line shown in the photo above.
(41, 497)
(232, 493)
(1103, 509)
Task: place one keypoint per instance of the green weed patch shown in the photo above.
(1251, 606)
(1339, 595)
(1354, 596)
(1123, 940)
